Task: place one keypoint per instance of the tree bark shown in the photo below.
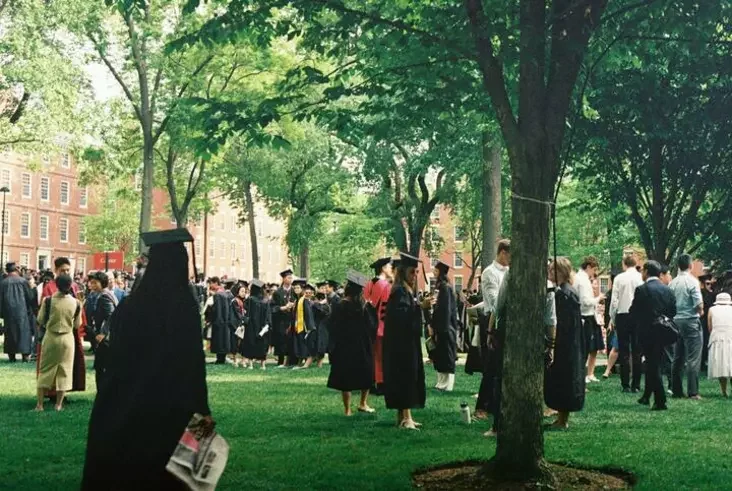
(305, 261)
(491, 210)
(252, 228)
(148, 173)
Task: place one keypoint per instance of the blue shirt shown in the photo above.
(688, 295)
(119, 293)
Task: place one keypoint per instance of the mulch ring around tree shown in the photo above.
(468, 476)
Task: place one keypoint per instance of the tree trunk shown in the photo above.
(304, 261)
(148, 175)
(252, 228)
(416, 234)
(491, 209)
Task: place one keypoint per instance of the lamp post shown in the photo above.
(5, 191)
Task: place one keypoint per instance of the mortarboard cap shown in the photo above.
(705, 277)
(309, 286)
(409, 261)
(257, 283)
(173, 236)
(321, 284)
(380, 263)
(444, 268)
(229, 281)
(300, 282)
(356, 278)
(287, 272)
(333, 283)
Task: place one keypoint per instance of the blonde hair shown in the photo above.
(400, 278)
(563, 270)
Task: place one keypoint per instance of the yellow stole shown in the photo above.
(300, 316)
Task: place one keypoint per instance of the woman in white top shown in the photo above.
(719, 322)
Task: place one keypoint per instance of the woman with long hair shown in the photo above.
(443, 328)
(564, 380)
(404, 387)
(156, 377)
(258, 321)
(239, 291)
(352, 332)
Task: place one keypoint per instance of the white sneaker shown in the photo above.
(593, 378)
(587, 380)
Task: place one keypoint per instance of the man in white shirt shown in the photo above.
(588, 304)
(491, 281)
(628, 340)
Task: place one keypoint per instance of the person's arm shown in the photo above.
(77, 316)
(710, 324)
(614, 301)
(696, 296)
(587, 299)
(637, 307)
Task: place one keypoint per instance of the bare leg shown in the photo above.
(347, 403)
(364, 406)
(591, 362)
(60, 400)
(611, 360)
(320, 361)
(308, 362)
(562, 420)
(39, 402)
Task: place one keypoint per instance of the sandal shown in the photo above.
(366, 409)
(409, 424)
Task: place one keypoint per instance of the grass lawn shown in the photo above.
(286, 431)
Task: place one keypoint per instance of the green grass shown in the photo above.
(286, 431)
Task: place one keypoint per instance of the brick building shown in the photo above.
(44, 211)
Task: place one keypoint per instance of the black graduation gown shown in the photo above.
(258, 315)
(445, 325)
(156, 382)
(564, 380)
(281, 319)
(297, 343)
(235, 320)
(352, 360)
(319, 340)
(403, 366)
(15, 309)
(219, 315)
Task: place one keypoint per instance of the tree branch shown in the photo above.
(116, 76)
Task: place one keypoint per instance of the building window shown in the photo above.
(25, 225)
(5, 179)
(45, 189)
(6, 222)
(233, 250)
(66, 160)
(64, 193)
(458, 262)
(458, 284)
(82, 234)
(604, 285)
(63, 229)
(43, 227)
(212, 248)
(84, 197)
(233, 223)
(81, 267)
(199, 246)
(24, 259)
(6, 256)
(435, 215)
(26, 182)
(222, 251)
(459, 234)
(222, 225)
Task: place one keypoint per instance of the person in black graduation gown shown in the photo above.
(156, 377)
(443, 328)
(404, 387)
(219, 316)
(303, 326)
(282, 303)
(564, 380)
(258, 315)
(236, 320)
(15, 309)
(321, 313)
(330, 291)
(353, 332)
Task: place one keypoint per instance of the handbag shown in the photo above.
(239, 333)
(667, 332)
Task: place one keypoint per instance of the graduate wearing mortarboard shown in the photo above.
(156, 376)
(443, 329)
(282, 305)
(377, 294)
(321, 312)
(302, 324)
(258, 324)
(330, 290)
(352, 332)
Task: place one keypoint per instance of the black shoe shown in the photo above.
(678, 396)
(626, 390)
(644, 401)
(659, 408)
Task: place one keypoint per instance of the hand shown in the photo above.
(208, 425)
(100, 338)
(610, 327)
(433, 301)
(430, 331)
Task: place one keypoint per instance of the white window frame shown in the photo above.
(6, 257)
(212, 248)
(9, 181)
(455, 283)
(61, 229)
(199, 246)
(455, 235)
(23, 185)
(61, 193)
(28, 228)
(233, 250)
(47, 180)
(25, 259)
(82, 233)
(84, 197)
(6, 229)
(66, 160)
(40, 227)
(458, 257)
(81, 265)
(222, 249)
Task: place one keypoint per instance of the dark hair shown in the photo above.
(629, 262)
(354, 291)
(61, 261)
(684, 262)
(653, 269)
(664, 269)
(214, 280)
(590, 262)
(442, 276)
(63, 283)
(101, 277)
(236, 287)
(11, 267)
(503, 245)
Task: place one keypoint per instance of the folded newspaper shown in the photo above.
(264, 331)
(198, 461)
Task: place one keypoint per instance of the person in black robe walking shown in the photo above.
(353, 332)
(564, 380)
(219, 316)
(321, 312)
(302, 326)
(404, 387)
(258, 316)
(443, 329)
(282, 303)
(156, 377)
(16, 305)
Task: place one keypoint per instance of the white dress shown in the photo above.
(720, 342)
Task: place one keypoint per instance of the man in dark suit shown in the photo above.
(283, 302)
(652, 299)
